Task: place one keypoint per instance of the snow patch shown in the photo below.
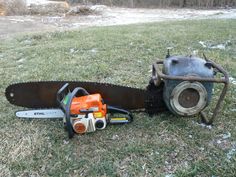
(37, 2)
(215, 46)
(203, 125)
(65, 142)
(232, 80)
(231, 152)
(21, 60)
(226, 135)
(41, 2)
(115, 137)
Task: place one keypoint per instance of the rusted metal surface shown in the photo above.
(189, 98)
(157, 74)
(43, 94)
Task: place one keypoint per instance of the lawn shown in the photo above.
(161, 145)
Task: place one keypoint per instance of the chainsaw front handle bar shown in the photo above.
(111, 109)
(157, 74)
(64, 91)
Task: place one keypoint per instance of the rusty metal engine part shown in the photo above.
(188, 84)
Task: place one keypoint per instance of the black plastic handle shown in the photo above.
(61, 94)
(64, 91)
(112, 110)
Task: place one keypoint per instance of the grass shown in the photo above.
(150, 146)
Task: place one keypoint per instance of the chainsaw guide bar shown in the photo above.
(41, 114)
(42, 95)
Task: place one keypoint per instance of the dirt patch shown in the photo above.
(107, 16)
(81, 10)
(48, 9)
(2, 11)
(13, 7)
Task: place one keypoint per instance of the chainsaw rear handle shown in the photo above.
(113, 110)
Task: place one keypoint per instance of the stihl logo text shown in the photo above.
(39, 113)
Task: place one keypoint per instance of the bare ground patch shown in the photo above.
(64, 19)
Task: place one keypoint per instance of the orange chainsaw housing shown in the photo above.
(91, 102)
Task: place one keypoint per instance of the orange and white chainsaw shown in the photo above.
(81, 112)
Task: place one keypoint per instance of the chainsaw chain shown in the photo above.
(154, 102)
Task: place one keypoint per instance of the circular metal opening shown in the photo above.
(189, 98)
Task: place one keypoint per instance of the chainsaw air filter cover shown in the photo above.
(187, 98)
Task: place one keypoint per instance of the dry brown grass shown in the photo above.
(19, 7)
(1, 9)
(81, 10)
(48, 9)
(13, 7)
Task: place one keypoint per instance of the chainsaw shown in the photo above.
(81, 112)
(181, 84)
